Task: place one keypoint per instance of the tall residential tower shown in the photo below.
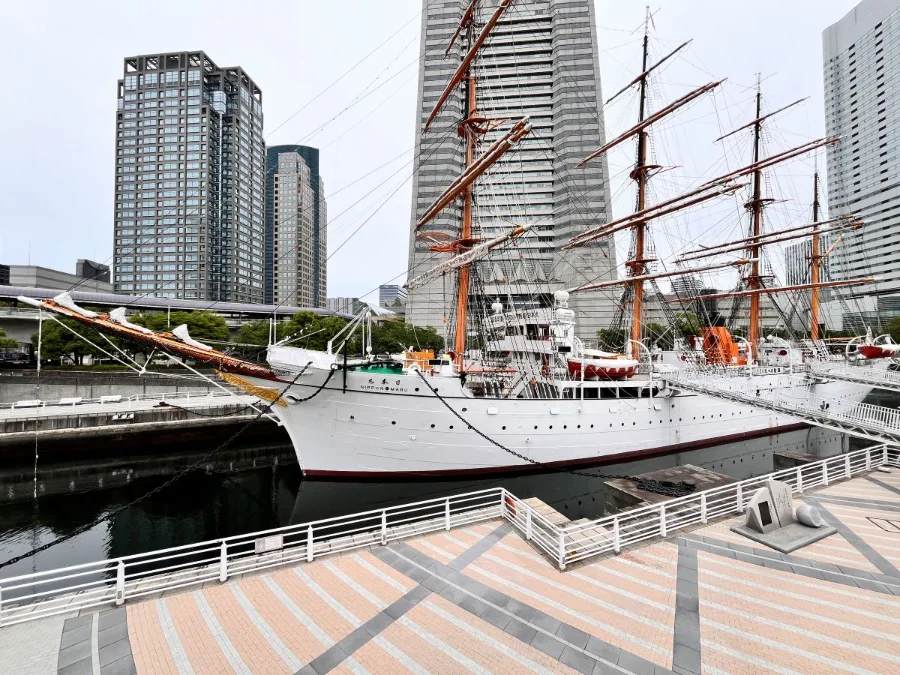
(190, 180)
(861, 83)
(296, 227)
(540, 61)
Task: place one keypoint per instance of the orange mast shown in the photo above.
(462, 300)
(815, 261)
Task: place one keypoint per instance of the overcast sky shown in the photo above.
(63, 61)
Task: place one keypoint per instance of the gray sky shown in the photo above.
(63, 60)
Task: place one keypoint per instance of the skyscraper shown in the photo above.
(296, 227)
(540, 61)
(388, 294)
(190, 188)
(861, 82)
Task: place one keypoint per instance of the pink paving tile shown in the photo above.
(252, 646)
(497, 635)
(423, 652)
(328, 619)
(857, 519)
(372, 582)
(343, 593)
(198, 642)
(289, 630)
(650, 638)
(148, 643)
(860, 489)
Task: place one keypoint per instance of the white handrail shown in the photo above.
(40, 594)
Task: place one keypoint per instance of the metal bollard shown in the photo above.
(223, 562)
(120, 583)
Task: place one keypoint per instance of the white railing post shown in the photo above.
(847, 466)
(740, 498)
(528, 525)
(703, 517)
(662, 520)
(383, 528)
(868, 459)
(223, 562)
(120, 583)
(825, 472)
(309, 544)
(562, 550)
(447, 514)
(884, 454)
(617, 537)
(799, 479)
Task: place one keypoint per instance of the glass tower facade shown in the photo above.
(296, 227)
(861, 52)
(190, 180)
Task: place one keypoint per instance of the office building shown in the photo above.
(89, 276)
(390, 294)
(541, 61)
(296, 227)
(345, 305)
(190, 180)
(861, 82)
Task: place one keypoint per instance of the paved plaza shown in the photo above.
(482, 599)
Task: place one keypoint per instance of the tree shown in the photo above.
(391, 337)
(659, 335)
(611, 339)
(688, 325)
(59, 343)
(7, 342)
(202, 325)
(893, 329)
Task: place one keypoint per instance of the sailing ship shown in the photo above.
(542, 395)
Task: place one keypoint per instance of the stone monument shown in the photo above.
(771, 520)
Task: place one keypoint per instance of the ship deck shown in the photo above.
(480, 599)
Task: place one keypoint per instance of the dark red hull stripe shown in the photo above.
(584, 462)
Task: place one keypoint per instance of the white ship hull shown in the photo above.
(394, 426)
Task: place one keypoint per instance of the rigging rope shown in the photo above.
(668, 488)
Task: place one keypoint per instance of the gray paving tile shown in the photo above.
(545, 621)
(111, 617)
(112, 634)
(685, 658)
(577, 660)
(603, 650)
(547, 644)
(473, 605)
(636, 664)
(496, 618)
(82, 667)
(573, 635)
(124, 666)
(114, 652)
(434, 584)
(378, 623)
(76, 621)
(74, 636)
(326, 662)
(76, 652)
(520, 630)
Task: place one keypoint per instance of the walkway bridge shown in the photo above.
(790, 395)
(865, 375)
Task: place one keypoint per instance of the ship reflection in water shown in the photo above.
(253, 489)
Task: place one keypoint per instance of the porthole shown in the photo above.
(565, 426)
(451, 426)
(393, 422)
(551, 426)
(417, 389)
(432, 426)
(504, 428)
(592, 426)
(352, 417)
(465, 409)
(535, 426)
(579, 426)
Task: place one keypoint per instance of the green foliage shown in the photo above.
(658, 334)
(7, 342)
(391, 337)
(58, 343)
(688, 325)
(202, 325)
(893, 329)
(611, 339)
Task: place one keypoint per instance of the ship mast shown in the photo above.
(462, 300)
(755, 206)
(638, 263)
(816, 261)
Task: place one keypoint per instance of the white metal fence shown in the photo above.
(74, 401)
(42, 594)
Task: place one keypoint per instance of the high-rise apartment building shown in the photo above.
(861, 83)
(388, 294)
(190, 180)
(540, 61)
(296, 227)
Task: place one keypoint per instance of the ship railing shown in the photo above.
(41, 594)
(610, 534)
